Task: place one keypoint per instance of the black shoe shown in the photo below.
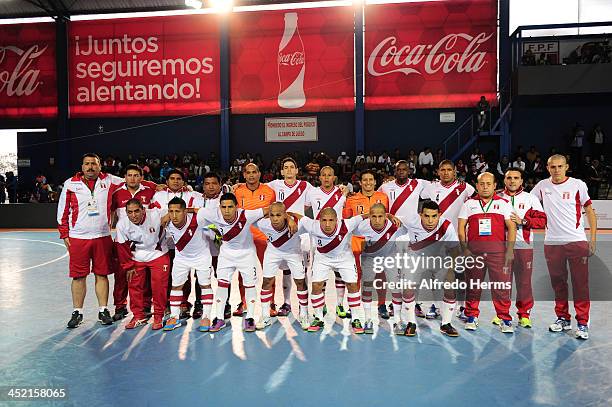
(382, 311)
(147, 312)
(120, 313)
(185, 314)
(391, 312)
(105, 317)
(198, 310)
(449, 330)
(410, 329)
(75, 320)
(227, 311)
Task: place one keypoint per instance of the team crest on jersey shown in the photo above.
(495, 206)
(102, 185)
(566, 195)
(262, 197)
(521, 206)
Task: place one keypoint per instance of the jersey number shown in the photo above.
(392, 195)
(318, 205)
(360, 209)
(281, 195)
(319, 243)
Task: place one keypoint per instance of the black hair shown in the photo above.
(228, 196)
(134, 167)
(175, 171)
(212, 175)
(177, 201)
(134, 201)
(429, 204)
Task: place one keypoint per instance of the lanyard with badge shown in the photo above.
(484, 224)
(92, 204)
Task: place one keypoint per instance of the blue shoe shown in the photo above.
(471, 324)
(582, 332)
(172, 323)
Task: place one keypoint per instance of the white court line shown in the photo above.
(38, 241)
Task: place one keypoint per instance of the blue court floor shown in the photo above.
(109, 366)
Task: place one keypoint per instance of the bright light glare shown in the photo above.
(221, 6)
(197, 4)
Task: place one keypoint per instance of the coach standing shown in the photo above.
(82, 217)
(564, 199)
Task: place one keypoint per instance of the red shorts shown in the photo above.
(90, 255)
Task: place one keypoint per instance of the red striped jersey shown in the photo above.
(121, 195)
(450, 198)
(563, 204)
(529, 208)
(403, 199)
(293, 196)
(191, 240)
(379, 242)
(279, 241)
(318, 199)
(143, 242)
(437, 241)
(334, 245)
(486, 227)
(237, 232)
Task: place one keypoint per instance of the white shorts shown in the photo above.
(368, 272)
(243, 261)
(182, 268)
(345, 266)
(273, 262)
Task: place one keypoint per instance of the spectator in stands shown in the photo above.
(360, 156)
(528, 59)
(2, 189)
(461, 168)
(371, 159)
(530, 183)
(482, 110)
(313, 167)
(163, 172)
(531, 156)
(538, 168)
(344, 163)
(413, 158)
(543, 59)
(475, 156)
(576, 145)
(594, 178)
(384, 159)
(397, 155)
(426, 158)
(360, 164)
(212, 161)
(519, 163)
(472, 175)
(11, 186)
(598, 141)
(502, 167)
(438, 158)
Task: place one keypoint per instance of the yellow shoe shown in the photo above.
(525, 322)
(496, 321)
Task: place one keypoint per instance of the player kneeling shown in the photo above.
(142, 248)
(284, 252)
(192, 239)
(433, 242)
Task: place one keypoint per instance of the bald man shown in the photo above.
(487, 234)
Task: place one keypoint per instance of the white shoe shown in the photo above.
(582, 332)
(304, 322)
(265, 322)
(399, 328)
(560, 325)
(506, 327)
(471, 324)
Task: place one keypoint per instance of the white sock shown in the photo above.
(303, 300)
(448, 306)
(408, 310)
(78, 309)
(221, 297)
(207, 299)
(250, 294)
(397, 306)
(102, 308)
(318, 301)
(287, 286)
(340, 286)
(366, 297)
(265, 296)
(176, 297)
(354, 302)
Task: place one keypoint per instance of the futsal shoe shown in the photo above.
(418, 311)
(158, 323)
(172, 323)
(560, 325)
(75, 320)
(496, 321)
(218, 324)
(506, 327)
(357, 327)
(239, 311)
(249, 325)
(304, 322)
(410, 329)
(135, 323)
(461, 314)
(147, 312)
(316, 325)
(433, 312)
(391, 312)
(105, 317)
(368, 328)
(198, 310)
(184, 315)
(227, 311)
(382, 312)
(449, 330)
(284, 310)
(525, 322)
(264, 323)
(582, 332)
(204, 325)
(273, 311)
(340, 311)
(120, 313)
(399, 328)
(471, 324)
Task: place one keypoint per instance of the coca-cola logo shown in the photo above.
(388, 58)
(22, 80)
(291, 59)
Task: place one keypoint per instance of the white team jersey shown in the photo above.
(431, 243)
(192, 241)
(237, 233)
(147, 239)
(338, 243)
(319, 199)
(563, 204)
(450, 198)
(379, 242)
(193, 199)
(403, 199)
(293, 196)
(82, 213)
(526, 206)
(279, 241)
(211, 202)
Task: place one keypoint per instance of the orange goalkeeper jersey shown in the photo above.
(359, 204)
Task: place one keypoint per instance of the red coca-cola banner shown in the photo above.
(430, 54)
(144, 66)
(28, 85)
(292, 60)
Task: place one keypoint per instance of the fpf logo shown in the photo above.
(566, 195)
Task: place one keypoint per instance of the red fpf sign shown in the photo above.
(430, 54)
(28, 85)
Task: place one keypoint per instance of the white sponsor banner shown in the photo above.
(291, 129)
(603, 211)
(447, 117)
